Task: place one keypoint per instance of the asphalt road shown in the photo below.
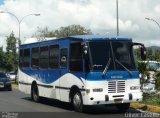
(19, 105)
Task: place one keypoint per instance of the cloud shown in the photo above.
(157, 8)
(97, 15)
(148, 43)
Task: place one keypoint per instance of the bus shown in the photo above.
(83, 70)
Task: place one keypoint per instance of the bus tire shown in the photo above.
(35, 93)
(123, 107)
(77, 102)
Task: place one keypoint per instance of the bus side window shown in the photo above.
(63, 58)
(26, 58)
(35, 58)
(43, 62)
(21, 58)
(54, 56)
(76, 62)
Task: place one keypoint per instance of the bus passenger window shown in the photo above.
(43, 62)
(26, 58)
(63, 58)
(35, 58)
(21, 58)
(53, 56)
(76, 57)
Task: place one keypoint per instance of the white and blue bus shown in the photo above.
(83, 70)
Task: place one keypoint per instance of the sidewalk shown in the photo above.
(15, 86)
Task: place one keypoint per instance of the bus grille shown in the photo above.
(116, 86)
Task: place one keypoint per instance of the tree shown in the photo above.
(150, 55)
(137, 53)
(71, 30)
(157, 84)
(142, 67)
(157, 55)
(2, 59)
(63, 31)
(11, 56)
(44, 32)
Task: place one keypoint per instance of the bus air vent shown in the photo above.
(116, 86)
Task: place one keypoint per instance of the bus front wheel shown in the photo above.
(77, 102)
(35, 93)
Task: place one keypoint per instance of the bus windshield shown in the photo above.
(119, 53)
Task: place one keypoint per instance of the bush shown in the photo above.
(151, 99)
(157, 84)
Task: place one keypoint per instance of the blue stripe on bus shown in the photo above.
(44, 76)
(112, 75)
(49, 76)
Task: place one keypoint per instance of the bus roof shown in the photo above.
(84, 38)
(97, 37)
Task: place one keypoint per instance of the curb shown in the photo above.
(144, 107)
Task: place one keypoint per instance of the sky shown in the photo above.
(1, 2)
(97, 15)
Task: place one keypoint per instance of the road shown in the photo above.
(17, 103)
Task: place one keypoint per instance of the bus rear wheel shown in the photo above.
(77, 102)
(35, 93)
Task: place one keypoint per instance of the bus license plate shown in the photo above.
(118, 100)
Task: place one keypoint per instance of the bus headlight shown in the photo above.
(134, 87)
(97, 90)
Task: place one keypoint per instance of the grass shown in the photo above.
(151, 102)
(151, 99)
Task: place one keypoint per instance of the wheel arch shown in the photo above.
(35, 92)
(33, 84)
(73, 89)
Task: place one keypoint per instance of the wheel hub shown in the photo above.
(77, 100)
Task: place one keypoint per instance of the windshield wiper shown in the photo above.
(106, 68)
(123, 67)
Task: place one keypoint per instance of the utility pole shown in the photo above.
(117, 18)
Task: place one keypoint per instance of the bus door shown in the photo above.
(63, 61)
(63, 73)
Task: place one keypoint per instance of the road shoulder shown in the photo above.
(144, 107)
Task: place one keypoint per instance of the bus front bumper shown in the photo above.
(101, 98)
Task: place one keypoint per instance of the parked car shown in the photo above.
(149, 88)
(152, 81)
(5, 83)
(12, 75)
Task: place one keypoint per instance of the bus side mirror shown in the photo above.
(143, 53)
(85, 49)
(143, 50)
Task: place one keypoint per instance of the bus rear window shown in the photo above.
(24, 58)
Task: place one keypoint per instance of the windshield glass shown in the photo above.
(2, 75)
(124, 54)
(102, 51)
(100, 54)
